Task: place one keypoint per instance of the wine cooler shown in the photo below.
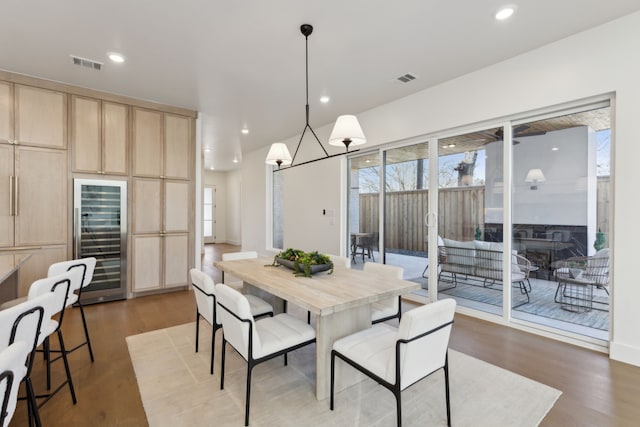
(100, 231)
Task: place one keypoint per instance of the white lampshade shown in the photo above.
(278, 155)
(347, 131)
(535, 175)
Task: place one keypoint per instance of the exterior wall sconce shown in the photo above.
(534, 176)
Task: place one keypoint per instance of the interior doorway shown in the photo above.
(209, 214)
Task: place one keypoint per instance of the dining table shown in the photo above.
(341, 302)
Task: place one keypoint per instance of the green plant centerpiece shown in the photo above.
(303, 263)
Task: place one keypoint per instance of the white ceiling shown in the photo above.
(241, 63)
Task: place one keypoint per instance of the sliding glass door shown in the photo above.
(560, 219)
(512, 221)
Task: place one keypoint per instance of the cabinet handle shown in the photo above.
(16, 210)
(11, 196)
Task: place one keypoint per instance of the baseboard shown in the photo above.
(625, 353)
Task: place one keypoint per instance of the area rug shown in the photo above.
(177, 390)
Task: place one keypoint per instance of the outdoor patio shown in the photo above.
(541, 309)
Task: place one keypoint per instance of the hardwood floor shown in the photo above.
(595, 390)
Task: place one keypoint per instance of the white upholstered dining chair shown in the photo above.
(234, 256)
(396, 358)
(205, 294)
(389, 308)
(257, 341)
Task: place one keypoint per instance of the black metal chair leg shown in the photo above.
(308, 317)
(285, 359)
(213, 346)
(398, 406)
(34, 415)
(224, 345)
(47, 360)
(86, 330)
(66, 368)
(246, 413)
(446, 388)
(333, 366)
(197, 328)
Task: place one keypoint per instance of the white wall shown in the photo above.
(564, 198)
(600, 61)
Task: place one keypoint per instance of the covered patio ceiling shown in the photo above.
(598, 119)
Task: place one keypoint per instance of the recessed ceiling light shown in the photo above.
(555, 149)
(116, 57)
(505, 13)
(207, 150)
(235, 160)
(451, 145)
(324, 99)
(245, 131)
(212, 168)
(367, 161)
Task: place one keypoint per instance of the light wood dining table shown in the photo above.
(341, 301)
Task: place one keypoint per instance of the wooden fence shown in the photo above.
(460, 211)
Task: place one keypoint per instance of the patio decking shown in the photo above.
(541, 310)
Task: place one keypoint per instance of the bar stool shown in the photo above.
(23, 323)
(61, 286)
(87, 266)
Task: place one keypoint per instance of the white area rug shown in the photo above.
(177, 390)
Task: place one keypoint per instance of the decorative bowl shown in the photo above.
(314, 268)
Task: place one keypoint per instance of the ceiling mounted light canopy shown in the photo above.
(347, 129)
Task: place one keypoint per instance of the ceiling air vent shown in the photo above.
(406, 78)
(86, 63)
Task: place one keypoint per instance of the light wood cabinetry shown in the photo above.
(40, 196)
(160, 262)
(50, 132)
(147, 143)
(7, 199)
(162, 145)
(161, 210)
(6, 112)
(177, 137)
(40, 117)
(33, 187)
(99, 136)
(162, 204)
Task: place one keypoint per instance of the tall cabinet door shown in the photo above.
(176, 206)
(115, 128)
(177, 150)
(147, 267)
(147, 212)
(85, 134)
(7, 187)
(40, 117)
(6, 112)
(176, 260)
(41, 196)
(147, 143)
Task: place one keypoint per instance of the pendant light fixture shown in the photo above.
(346, 131)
